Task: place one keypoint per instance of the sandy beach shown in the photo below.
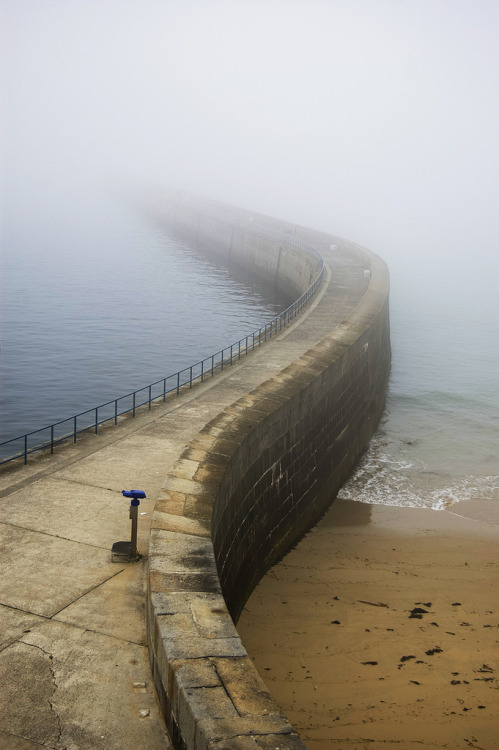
(382, 628)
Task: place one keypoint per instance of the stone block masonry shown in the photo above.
(259, 474)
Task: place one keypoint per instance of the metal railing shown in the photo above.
(91, 419)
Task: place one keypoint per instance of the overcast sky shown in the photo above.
(373, 119)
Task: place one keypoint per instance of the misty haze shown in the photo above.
(372, 120)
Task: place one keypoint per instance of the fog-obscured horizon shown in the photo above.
(376, 120)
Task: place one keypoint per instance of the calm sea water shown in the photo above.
(102, 302)
(438, 442)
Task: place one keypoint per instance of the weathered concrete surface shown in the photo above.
(72, 623)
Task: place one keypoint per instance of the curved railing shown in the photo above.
(90, 420)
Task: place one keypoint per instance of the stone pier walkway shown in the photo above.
(74, 666)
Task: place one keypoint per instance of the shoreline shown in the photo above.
(382, 626)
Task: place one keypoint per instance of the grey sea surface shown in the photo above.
(105, 302)
(438, 441)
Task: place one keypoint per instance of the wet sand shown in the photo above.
(382, 628)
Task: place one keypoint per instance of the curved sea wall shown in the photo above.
(267, 247)
(258, 476)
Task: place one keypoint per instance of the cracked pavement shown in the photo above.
(74, 664)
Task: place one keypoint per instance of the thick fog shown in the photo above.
(373, 119)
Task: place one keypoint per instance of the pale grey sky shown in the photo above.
(374, 119)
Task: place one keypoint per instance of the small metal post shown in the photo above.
(134, 510)
(127, 551)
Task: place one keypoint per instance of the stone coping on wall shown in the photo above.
(209, 690)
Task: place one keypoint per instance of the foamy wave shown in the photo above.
(381, 479)
(466, 488)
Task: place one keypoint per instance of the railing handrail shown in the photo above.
(253, 339)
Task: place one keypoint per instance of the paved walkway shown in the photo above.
(74, 666)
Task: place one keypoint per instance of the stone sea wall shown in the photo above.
(257, 477)
(267, 247)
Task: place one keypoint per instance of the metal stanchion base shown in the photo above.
(122, 552)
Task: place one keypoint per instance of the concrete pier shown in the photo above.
(74, 658)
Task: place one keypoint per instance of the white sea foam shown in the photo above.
(385, 478)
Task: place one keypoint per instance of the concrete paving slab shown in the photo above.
(10, 742)
(67, 687)
(112, 608)
(70, 510)
(14, 623)
(25, 688)
(138, 458)
(42, 574)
